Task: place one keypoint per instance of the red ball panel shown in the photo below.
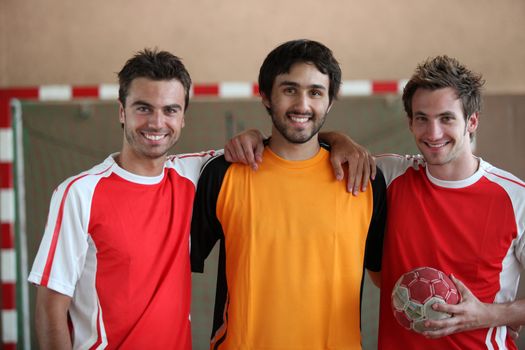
(420, 291)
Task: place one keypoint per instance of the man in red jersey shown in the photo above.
(114, 259)
(458, 214)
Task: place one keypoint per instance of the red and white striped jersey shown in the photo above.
(473, 228)
(118, 245)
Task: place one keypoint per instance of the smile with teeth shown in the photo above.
(153, 137)
(299, 118)
(436, 145)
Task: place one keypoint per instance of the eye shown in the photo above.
(289, 90)
(143, 109)
(171, 110)
(316, 93)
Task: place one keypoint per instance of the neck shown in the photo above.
(455, 171)
(140, 166)
(294, 151)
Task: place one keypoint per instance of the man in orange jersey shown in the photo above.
(294, 242)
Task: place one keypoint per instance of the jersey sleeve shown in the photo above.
(190, 165)
(374, 240)
(205, 226)
(395, 165)
(60, 258)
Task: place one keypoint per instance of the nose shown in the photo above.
(302, 103)
(156, 119)
(434, 130)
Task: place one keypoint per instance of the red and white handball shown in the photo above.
(416, 291)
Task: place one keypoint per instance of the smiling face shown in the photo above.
(442, 133)
(298, 103)
(153, 118)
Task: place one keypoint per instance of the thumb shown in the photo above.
(462, 288)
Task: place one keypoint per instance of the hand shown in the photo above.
(246, 147)
(469, 314)
(361, 165)
(514, 331)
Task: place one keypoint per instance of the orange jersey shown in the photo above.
(293, 252)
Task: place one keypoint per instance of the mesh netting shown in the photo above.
(63, 139)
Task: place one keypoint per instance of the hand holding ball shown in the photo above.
(416, 291)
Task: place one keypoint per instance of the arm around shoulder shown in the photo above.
(51, 319)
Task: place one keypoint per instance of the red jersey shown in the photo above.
(118, 245)
(473, 228)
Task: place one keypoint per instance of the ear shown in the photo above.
(472, 122)
(265, 100)
(410, 120)
(183, 123)
(329, 107)
(121, 113)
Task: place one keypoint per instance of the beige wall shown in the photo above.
(85, 42)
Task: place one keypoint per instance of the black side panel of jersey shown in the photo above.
(376, 231)
(205, 227)
(206, 230)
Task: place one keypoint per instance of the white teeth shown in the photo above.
(436, 145)
(153, 137)
(299, 119)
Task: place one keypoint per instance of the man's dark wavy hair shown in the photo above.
(282, 58)
(154, 65)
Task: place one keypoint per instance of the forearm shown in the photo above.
(53, 336)
(511, 314)
(332, 137)
(51, 320)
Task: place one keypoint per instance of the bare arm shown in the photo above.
(375, 277)
(361, 165)
(51, 319)
(472, 314)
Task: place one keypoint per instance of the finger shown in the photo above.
(358, 176)
(259, 149)
(433, 334)
(227, 154)
(441, 328)
(352, 172)
(373, 167)
(338, 169)
(447, 308)
(462, 288)
(513, 334)
(366, 173)
(238, 152)
(248, 152)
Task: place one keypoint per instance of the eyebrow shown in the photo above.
(294, 84)
(443, 114)
(144, 103)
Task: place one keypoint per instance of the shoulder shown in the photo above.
(501, 176)
(395, 165)
(189, 165)
(513, 186)
(88, 179)
(215, 166)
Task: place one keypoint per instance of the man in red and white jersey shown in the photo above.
(113, 267)
(457, 213)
